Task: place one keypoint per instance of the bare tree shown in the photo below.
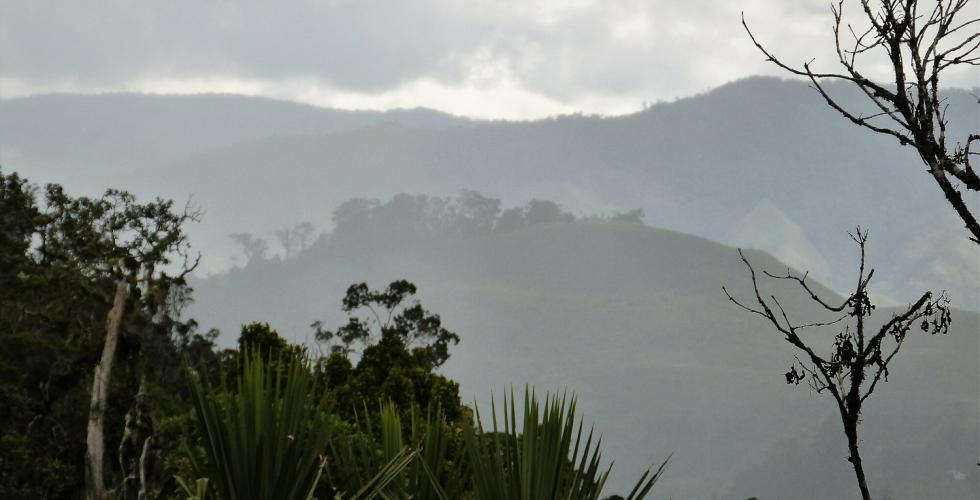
(860, 356)
(919, 41)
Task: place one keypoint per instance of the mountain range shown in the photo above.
(760, 163)
(633, 320)
(630, 315)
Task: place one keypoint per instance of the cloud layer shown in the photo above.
(503, 58)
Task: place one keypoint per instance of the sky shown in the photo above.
(510, 59)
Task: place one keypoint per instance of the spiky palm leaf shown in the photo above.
(545, 459)
(265, 439)
(380, 437)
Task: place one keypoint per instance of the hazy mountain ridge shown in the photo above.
(661, 360)
(698, 165)
(106, 133)
(633, 319)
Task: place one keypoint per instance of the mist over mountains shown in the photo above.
(628, 313)
(714, 165)
(631, 318)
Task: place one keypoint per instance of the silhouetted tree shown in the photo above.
(253, 247)
(918, 41)
(511, 219)
(633, 216)
(860, 356)
(472, 213)
(263, 341)
(545, 212)
(295, 239)
(400, 345)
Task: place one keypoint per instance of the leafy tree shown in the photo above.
(406, 217)
(397, 347)
(113, 239)
(67, 265)
(472, 213)
(254, 248)
(545, 212)
(295, 239)
(262, 340)
(511, 219)
(632, 216)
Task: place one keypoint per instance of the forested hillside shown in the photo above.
(633, 319)
(611, 290)
(490, 250)
(760, 163)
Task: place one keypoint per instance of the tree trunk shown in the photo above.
(95, 440)
(850, 429)
(135, 449)
(144, 493)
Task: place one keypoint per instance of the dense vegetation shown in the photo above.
(367, 413)
(472, 255)
(615, 309)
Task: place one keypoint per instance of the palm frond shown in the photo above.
(267, 438)
(543, 458)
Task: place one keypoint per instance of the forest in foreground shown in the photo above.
(93, 345)
(425, 346)
(375, 395)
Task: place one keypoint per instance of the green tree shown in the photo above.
(261, 339)
(397, 349)
(65, 266)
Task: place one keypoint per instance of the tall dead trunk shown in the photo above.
(95, 438)
(135, 449)
(854, 456)
(144, 488)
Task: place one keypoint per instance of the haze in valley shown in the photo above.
(566, 182)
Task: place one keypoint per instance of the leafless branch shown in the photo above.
(918, 48)
(858, 362)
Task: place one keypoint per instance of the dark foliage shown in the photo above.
(391, 354)
(59, 260)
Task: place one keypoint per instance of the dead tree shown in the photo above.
(919, 41)
(94, 438)
(860, 356)
(136, 246)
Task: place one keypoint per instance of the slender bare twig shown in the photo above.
(859, 359)
(918, 48)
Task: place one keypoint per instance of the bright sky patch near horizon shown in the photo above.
(509, 59)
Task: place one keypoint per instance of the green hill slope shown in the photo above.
(703, 165)
(633, 319)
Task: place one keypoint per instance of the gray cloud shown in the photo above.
(363, 45)
(585, 53)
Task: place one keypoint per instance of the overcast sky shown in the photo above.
(484, 58)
